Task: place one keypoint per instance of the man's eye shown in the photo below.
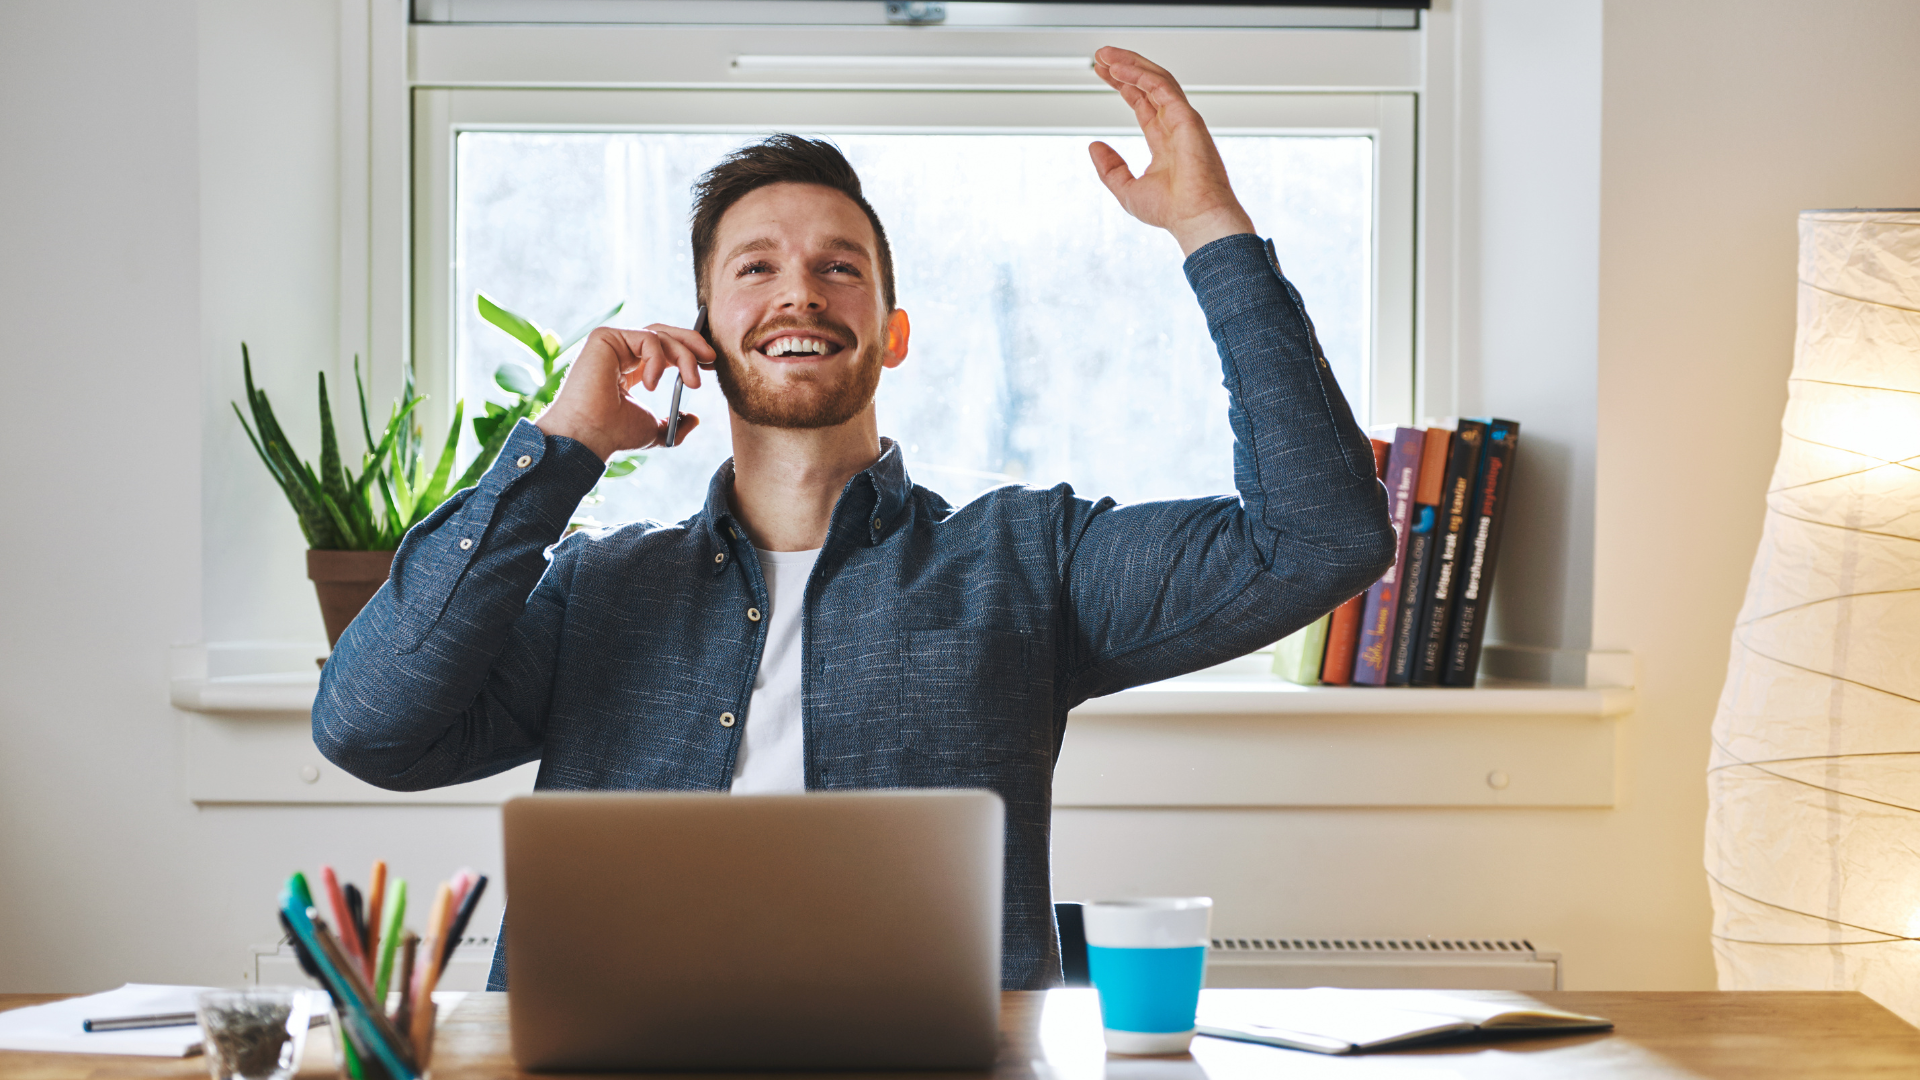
(754, 268)
(843, 268)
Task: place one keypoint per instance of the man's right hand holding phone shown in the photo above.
(593, 408)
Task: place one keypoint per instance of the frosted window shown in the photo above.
(1054, 337)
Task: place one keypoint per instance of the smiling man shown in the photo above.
(824, 623)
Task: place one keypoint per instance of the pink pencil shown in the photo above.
(349, 938)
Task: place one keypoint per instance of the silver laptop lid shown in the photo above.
(856, 930)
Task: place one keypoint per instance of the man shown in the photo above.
(823, 622)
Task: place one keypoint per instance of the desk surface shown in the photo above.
(1056, 1036)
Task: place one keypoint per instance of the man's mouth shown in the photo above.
(792, 346)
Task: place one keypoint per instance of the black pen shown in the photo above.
(134, 1023)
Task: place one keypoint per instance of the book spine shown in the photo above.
(1413, 583)
(1479, 552)
(1456, 497)
(1298, 657)
(1383, 599)
(1343, 626)
(1343, 640)
(1417, 577)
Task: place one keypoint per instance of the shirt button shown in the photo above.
(465, 544)
(876, 523)
(753, 614)
(726, 719)
(525, 460)
(719, 556)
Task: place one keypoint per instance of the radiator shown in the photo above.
(1422, 963)
(275, 965)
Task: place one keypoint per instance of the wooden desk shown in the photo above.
(1056, 1036)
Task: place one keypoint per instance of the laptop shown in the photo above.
(681, 931)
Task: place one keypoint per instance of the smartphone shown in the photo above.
(673, 408)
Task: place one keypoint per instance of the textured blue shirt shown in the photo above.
(942, 646)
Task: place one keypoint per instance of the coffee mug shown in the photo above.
(1147, 959)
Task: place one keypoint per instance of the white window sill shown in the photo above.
(1232, 736)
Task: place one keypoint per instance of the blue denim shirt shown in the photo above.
(942, 646)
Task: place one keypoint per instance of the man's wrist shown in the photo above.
(1197, 232)
(556, 422)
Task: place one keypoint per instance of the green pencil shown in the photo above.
(395, 922)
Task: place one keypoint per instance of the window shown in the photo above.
(1055, 338)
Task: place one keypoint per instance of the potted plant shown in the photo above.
(353, 523)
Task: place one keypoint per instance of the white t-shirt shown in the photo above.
(771, 759)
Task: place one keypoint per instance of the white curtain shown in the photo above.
(1813, 826)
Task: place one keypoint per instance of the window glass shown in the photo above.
(1054, 337)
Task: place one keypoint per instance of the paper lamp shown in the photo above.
(1813, 821)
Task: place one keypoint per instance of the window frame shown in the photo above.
(441, 114)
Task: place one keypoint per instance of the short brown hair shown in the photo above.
(777, 159)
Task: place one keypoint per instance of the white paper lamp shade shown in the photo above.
(1813, 821)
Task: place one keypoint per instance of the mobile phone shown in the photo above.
(673, 408)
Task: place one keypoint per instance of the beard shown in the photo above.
(810, 398)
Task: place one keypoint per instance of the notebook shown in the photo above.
(56, 1026)
(1333, 1021)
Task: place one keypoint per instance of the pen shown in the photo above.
(403, 1016)
(396, 922)
(341, 916)
(376, 1016)
(357, 912)
(428, 975)
(376, 902)
(461, 918)
(133, 1023)
(296, 904)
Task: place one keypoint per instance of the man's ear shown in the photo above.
(898, 330)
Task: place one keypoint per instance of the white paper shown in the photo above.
(56, 1026)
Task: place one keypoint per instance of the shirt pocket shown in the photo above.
(968, 708)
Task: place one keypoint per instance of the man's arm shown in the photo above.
(1157, 589)
(444, 676)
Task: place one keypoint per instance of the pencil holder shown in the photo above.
(352, 1059)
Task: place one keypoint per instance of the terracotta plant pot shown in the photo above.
(345, 581)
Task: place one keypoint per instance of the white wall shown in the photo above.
(168, 190)
(1723, 119)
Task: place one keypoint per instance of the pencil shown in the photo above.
(403, 1016)
(396, 922)
(429, 974)
(376, 902)
(461, 918)
(341, 917)
(383, 1028)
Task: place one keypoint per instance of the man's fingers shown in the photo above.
(685, 349)
(1111, 167)
(688, 421)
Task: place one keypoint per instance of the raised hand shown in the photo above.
(1184, 189)
(593, 408)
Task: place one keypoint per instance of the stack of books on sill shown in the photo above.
(1422, 623)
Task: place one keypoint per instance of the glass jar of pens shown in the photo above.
(379, 974)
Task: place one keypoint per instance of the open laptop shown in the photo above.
(664, 931)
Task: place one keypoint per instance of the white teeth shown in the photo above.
(788, 346)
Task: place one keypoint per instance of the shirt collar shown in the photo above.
(886, 481)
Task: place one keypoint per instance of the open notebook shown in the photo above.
(1331, 1021)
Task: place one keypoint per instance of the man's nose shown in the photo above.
(801, 292)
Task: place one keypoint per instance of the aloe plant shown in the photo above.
(337, 510)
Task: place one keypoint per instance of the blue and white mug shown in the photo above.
(1147, 959)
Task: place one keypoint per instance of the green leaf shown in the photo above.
(588, 327)
(621, 466)
(333, 478)
(516, 327)
(366, 428)
(515, 379)
(436, 492)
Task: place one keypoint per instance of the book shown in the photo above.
(1298, 656)
(1335, 1021)
(1436, 606)
(1343, 627)
(1479, 549)
(1383, 598)
(1417, 573)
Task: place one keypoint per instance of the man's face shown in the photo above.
(795, 308)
